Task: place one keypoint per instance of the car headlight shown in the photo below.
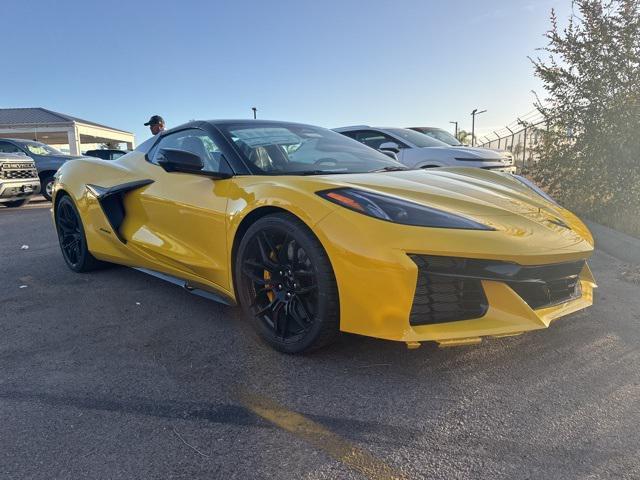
(535, 188)
(396, 210)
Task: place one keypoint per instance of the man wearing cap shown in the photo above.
(155, 124)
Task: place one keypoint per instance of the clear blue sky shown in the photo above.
(325, 62)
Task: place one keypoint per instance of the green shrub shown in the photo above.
(589, 157)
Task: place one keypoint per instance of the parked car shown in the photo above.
(48, 160)
(446, 137)
(417, 150)
(106, 153)
(311, 233)
(18, 179)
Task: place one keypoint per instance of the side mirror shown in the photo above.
(389, 147)
(174, 160)
(390, 154)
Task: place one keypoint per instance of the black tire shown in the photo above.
(16, 203)
(286, 286)
(73, 242)
(46, 186)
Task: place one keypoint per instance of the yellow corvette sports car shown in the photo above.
(313, 233)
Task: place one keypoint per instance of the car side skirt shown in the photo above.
(199, 290)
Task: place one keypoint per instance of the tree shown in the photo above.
(464, 137)
(590, 151)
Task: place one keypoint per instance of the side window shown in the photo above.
(373, 138)
(6, 147)
(350, 134)
(194, 141)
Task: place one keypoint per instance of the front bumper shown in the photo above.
(471, 295)
(18, 189)
(378, 279)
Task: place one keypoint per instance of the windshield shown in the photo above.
(441, 135)
(291, 149)
(42, 149)
(416, 138)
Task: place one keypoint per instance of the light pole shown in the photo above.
(255, 112)
(473, 125)
(456, 124)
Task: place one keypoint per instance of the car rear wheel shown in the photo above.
(16, 203)
(286, 285)
(72, 239)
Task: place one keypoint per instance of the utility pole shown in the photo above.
(456, 124)
(473, 125)
(255, 112)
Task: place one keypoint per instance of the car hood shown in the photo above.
(469, 153)
(501, 155)
(497, 200)
(61, 157)
(480, 150)
(14, 157)
(68, 157)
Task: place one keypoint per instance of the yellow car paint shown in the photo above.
(186, 225)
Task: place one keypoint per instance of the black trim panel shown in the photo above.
(112, 204)
(211, 295)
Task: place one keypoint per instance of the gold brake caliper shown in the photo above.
(270, 294)
(267, 276)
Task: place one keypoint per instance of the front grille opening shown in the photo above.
(441, 299)
(8, 173)
(539, 286)
(549, 293)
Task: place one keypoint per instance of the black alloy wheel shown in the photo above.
(72, 239)
(286, 284)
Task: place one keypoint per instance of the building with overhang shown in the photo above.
(59, 129)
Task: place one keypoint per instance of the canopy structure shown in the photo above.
(59, 129)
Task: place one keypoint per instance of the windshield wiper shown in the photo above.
(389, 169)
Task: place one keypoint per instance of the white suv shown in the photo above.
(417, 150)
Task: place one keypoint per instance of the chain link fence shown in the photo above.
(520, 137)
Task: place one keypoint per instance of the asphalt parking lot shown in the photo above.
(118, 375)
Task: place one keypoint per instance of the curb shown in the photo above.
(617, 244)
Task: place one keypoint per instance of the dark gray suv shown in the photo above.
(48, 159)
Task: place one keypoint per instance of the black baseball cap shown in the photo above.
(154, 120)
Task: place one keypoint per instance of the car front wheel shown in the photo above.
(47, 187)
(286, 285)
